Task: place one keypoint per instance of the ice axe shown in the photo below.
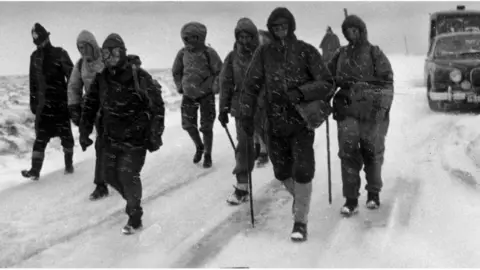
(329, 164)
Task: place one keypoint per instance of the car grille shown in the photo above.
(475, 77)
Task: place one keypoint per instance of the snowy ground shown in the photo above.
(429, 216)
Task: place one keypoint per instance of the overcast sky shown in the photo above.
(152, 29)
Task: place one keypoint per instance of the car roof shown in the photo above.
(445, 35)
(455, 12)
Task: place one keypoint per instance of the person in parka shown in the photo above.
(126, 98)
(195, 72)
(330, 43)
(361, 108)
(50, 69)
(292, 72)
(82, 76)
(259, 137)
(231, 80)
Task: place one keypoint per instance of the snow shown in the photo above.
(429, 215)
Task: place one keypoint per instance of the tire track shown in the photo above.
(115, 214)
(200, 248)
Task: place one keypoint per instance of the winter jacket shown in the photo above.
(195, 70)
(330, 43)
(123, 110)
(363, 72)
(234, 69)
(281, 68)
(50, 69)
(83, 77)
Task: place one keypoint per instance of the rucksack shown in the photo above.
(155, 113)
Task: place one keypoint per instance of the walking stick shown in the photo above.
(230, 138)
(249, 177)
(329, 165)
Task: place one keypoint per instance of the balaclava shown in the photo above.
(39, 34)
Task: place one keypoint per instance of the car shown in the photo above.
(452, 70)
(442, 69)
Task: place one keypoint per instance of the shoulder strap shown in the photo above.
(143, 92)
(374, 59)
(207, 55)
(80, 64)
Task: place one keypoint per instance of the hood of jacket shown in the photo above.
(355, 21)
(87, 37)
(282, 12)
(194, 29)
(247, 25)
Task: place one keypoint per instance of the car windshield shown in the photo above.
(461, 46)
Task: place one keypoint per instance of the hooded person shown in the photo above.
(330, 43)
(231, 78)
(128, 103)
(83, 74)
(362, 110)
(293, 74)
(195, 72)
(259, 139)
(50, 69)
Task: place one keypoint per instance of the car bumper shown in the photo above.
(455, 96)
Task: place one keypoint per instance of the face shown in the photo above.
(86, 50)
(190, 41)
(280, 28)
(36, 38)
(111, 56)
(245, 39)
(353, 34)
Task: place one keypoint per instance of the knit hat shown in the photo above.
(113, 41)
(39, 33)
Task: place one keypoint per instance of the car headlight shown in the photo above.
(466, 85)
(456, 75)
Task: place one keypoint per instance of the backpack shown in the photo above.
(155, 113)
(215, 88)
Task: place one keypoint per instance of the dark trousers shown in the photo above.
(189, 109)
(99, 149)
(122, 171)
(244, 162)
(293, 156)
(361, 143)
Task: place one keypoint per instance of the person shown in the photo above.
(361, 108)
(83, 74)
(231, 79)
(131, 112)
(294, 75)
(330, 43)
(195, 72)
(50, 68)
(261, 149)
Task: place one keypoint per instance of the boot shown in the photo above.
(199, 145)
(208, 140)
(262, 159)
(68, 156)
(134, 222)
(350, 207)
(373, 200)
(101, 191)
(239, 195)
(301, 208)
(37, 163)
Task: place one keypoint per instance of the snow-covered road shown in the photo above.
(429, 215)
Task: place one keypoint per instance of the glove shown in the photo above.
(223, 118)
(85, 142)
(295, 95)
(75, 112)
(247, 126)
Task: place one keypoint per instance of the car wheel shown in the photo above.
(436, 106)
